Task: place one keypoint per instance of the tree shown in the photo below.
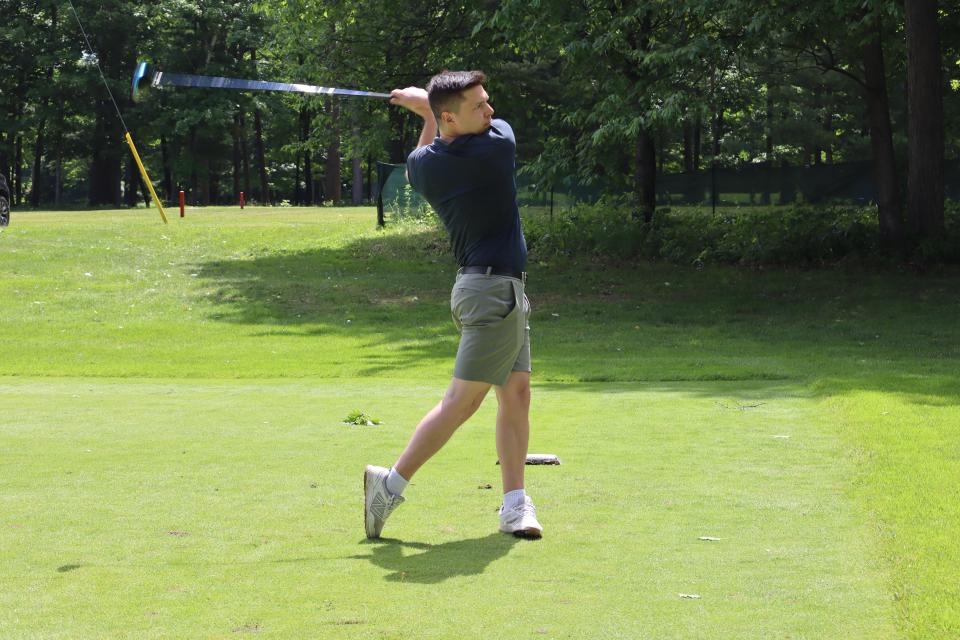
(630, 71)
(925, 121)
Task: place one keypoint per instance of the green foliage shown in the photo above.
(730, 83)
(607, 228)
(406, 204)
(946, 247)
(359, 418)
(800, 235)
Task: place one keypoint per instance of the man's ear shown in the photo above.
(447, 117)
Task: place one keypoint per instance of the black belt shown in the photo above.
(494, 271)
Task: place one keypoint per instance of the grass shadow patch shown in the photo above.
(386, 296)
(434, 563)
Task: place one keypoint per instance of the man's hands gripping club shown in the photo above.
(412, 98)
(415, 99)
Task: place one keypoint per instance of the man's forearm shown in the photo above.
(429, 131)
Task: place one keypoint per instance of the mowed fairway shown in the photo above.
(173, 461)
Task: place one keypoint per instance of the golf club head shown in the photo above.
(142, 77)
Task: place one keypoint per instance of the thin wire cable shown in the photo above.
(97, 60)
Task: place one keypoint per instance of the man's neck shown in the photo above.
(447, 136)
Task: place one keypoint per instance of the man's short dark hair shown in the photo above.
(445, 89)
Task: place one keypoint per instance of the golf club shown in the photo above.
(145, 76)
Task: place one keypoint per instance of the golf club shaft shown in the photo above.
(162, 78)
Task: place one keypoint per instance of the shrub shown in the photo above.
(407, 204)
(802, 234)
(947, 247)
(606, 228)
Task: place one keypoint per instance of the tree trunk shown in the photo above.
(818, 103)
(881, 140)
(245, 155)
(398, 153)
(167, 173)
(18, 176)
(37, 164)
(297, 195)
(828, 124)
(646, 176)
(717, 131)
(767, 186)
(36, 182)
(130, 183)
(925, 128)
(58, 173)
(769, 132)
(306, 118)
(4, 159)
(333, 154)
(261, 159)
(688, 147)
(16, 189)
(237, 158)
(258, 147)
(204, 182)
(54, 21)
(144, 192)
(661, 143)
(369, 184)
(134, 184)
(192, 192)
(108, 147)
(357, 191)
(308, 176)
(213, 181)
(828, 127)
(304, 132)
(105, 165)
(697, 151)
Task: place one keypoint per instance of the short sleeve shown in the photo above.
(505, 131)
(413, 167)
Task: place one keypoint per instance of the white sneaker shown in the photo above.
(521, 520)
(378, 502)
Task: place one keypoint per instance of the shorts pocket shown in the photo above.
(474, 306)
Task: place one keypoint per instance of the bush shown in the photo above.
(802, 234)
(798, 235)
(947, 247)
(607, 228)
(407, 204)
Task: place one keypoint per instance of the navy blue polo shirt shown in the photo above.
(470, 183)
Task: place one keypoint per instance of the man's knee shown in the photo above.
(463, 398)
(517, 390)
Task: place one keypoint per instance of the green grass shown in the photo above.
(174, 461)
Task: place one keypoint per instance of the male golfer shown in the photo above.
(466, 173)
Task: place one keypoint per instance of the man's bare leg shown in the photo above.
(462, 399)
(513, 428)
(517, 515)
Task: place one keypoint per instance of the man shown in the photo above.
(466, 173)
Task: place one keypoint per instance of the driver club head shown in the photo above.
(142, 77)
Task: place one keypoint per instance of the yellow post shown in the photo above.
(146, 178)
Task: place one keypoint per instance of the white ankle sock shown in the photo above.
(513, 498)
(396, 483)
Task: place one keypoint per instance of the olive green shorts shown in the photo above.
(492, 315)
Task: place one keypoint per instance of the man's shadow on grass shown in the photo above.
(433, 563)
